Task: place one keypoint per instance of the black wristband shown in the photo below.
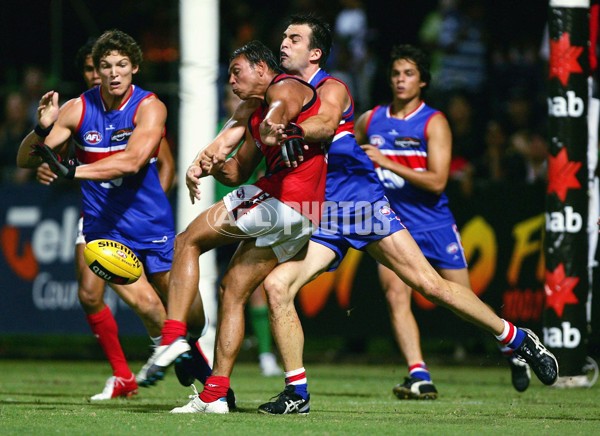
(70, 173)
(41, 132)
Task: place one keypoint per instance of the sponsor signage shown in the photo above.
(503, 246)
(38, 227)
(567, 281)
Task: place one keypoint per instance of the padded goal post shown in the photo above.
(572, 192)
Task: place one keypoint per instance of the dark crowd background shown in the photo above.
(488, 64)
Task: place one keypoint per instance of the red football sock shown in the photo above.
(216, 387)
(171, 330)
(105, 329)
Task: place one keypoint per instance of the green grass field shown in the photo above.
(51, 397)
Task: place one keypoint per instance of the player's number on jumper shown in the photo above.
(112, 183)
(390, 179)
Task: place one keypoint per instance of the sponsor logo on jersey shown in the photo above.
(121, 135)
(92, 137)
(407, 142)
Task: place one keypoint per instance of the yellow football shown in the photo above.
(112, 261)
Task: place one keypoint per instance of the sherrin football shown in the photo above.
(112, 261)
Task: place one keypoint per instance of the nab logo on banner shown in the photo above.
(572, 106)
(569, 221)
(563, 337)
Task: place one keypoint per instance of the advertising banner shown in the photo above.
(567, 276)
(501, 226)
(38, 226)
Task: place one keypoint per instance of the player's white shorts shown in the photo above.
(80, 237)
(273, 223)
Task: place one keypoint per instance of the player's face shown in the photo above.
(405, 80)
(116, 73)
(294, 54)
(243, 78)
(90, 75)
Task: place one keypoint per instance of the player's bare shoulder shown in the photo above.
(332, 85)
(71, 112)
(334, 92)
(289, 87)
(153, 102)
(438, 123)
(151, 108)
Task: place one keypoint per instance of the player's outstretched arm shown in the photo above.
(212, 159)
(228, 139)
(238, 168)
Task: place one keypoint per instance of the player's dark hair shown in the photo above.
(84, 51)
(320, 34)
(255, 52)
(116, 40)
(415, 55)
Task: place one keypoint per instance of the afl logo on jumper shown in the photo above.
(377, 140)
(121, 135)
(92, 137)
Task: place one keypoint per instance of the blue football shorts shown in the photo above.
(355, 225)
(442, 247)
